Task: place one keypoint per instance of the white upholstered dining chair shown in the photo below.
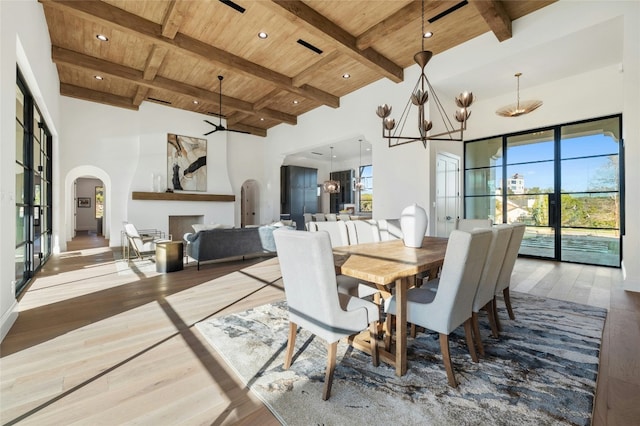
(487, 286)
(471, 224)
(450, 306)
(363, 231)
(504, 278)
(339, 236)
(308, 274)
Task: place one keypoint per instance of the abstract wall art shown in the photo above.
(186, 163)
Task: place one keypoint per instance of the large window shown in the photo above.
(564, 182)
(33, 187)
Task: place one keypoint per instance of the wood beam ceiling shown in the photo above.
(346, 42)
(129, 23)
(76, 60)
(495, 15)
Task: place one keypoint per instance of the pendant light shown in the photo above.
(519, 108)
(331, 186)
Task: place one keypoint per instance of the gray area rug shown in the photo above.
(542, 370)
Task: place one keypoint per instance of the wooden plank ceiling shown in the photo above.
(172, 51)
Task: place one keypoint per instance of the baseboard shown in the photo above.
(8, 318)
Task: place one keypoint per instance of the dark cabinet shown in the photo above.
(345, 196)
(298, 192)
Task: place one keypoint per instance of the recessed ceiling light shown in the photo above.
(262, 35)
(98, 77)
(346, 75)
(428, 34)
(196, 102)
(261, 118)
(296, 102)
(102, 37)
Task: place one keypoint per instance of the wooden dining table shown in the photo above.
(388, 263)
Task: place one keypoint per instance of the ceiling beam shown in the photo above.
(257, 131)
(307, 74)
(495, 15)
(94, 96)
(105, 14)
(77, 60)
(346, 42)
(154, 60)
(235, 118)
(141, 95)
(390, 25)
(173, 19)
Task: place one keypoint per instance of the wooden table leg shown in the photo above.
(402, 285)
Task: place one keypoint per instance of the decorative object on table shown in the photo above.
(542, 370)
(331, 186)
(186, 163)
(219, 127)
(413, 222)
(84, 202)
(419, 98)
(519, 108)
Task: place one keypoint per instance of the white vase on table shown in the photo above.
(413, 222)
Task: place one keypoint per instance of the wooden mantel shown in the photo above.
(180, 196)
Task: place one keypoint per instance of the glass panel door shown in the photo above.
(590, 192)
(564, 182)
(529, 190)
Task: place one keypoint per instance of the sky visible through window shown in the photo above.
(578, 173)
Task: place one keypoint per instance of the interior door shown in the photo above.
(249, 203)
(447, 193)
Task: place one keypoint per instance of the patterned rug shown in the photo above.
(542, 370)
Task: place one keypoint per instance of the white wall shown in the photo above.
(24, 40)
(130, 147)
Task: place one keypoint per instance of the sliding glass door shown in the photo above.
(563, 182)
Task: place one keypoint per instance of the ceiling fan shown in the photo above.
(219, 126)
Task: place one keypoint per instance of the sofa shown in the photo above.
(222, 243)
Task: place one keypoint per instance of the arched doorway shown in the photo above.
(72, 203)
(250, 200)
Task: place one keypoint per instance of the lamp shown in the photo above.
(519, 108)
(358, 183)
(331, 186)
(419, 98)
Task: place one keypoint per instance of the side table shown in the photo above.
(169, 256)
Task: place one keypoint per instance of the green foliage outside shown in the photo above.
(366, 202)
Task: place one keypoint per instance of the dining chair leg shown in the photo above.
(291, 343)
(388, 327)
(413, 331)
(331, 365)
(476, 332)
(490, 308)
(495, 314)
(446, 358)
(469, 335)
(373, 330)
(507, 301)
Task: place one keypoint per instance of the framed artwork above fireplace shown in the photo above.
(186, 163)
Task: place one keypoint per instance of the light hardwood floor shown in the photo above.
(97, 343)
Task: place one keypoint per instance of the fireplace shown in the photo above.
(180, 225)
